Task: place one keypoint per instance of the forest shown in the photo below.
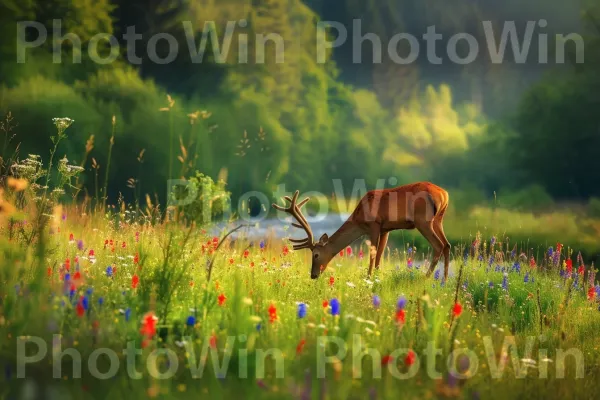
(527, 133)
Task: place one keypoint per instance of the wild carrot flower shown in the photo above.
(301, 310)
(335, 306)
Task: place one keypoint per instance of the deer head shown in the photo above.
(320, 252)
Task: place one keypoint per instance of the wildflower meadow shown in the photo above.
(121, 300)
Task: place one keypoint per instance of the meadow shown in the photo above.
(106, 280)
(126, 301)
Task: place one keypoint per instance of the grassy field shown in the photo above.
(177, 297)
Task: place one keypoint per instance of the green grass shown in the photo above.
(36, 301)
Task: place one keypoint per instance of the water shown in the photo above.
(275, 228)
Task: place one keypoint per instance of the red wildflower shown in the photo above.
(325, 303)
(361, 254)
(457, 309)
(581, 270)
(149, 325)
(67, 264)
(136, 258)
(342, 253)
(410, 358)
(221, 299)
(285, 250)
(231, 261)
(246, 253)
(123, 245)
(569, 264)
(272, 313)
(80, 309)
(91, 253)
(77, 276)
(348, 251)
(386, 359)
(213, 341)
(215, 242)
(591, 294)
(331, 280)
(558, 247)
(300, 346)
(135, 280)
(401, 316)
(71, 237)
(49, 271)
(532, 262)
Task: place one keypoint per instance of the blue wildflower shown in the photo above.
(517, 267)
(100, 301)
(505, 282)
(262, 244)
(466, 284)
(492, 241)
(89, 291)
(526, 278)
(301, 310)
(491, 285)
(127, 314)
(258, 326)
(376, 301)
(109, 271)
(335, 306)
(85, 302)
(67, 277)
(410, 250)
(80, 244)
(191, 321)
(401, 303)
(436, 274)
(480, 258)
(550, 251)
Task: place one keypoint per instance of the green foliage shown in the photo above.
(530, 198)
(204, 200)
(593, 207)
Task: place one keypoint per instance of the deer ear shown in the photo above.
(324, 239)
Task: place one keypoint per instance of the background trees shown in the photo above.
(484, 126)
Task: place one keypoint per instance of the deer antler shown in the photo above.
(294, 211)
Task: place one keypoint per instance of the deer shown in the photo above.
(419, 205)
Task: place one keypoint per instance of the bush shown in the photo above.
(531, 198)
(593, 207)
(209, 201)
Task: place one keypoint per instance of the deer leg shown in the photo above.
(383, 238)
(426, 229)
(439, 230)
(374, 236)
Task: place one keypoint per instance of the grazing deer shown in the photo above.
(419, 205)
